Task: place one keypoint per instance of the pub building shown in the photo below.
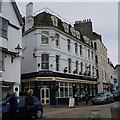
(58, 62)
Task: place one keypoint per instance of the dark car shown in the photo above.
(100, 98)
(37, 109)
(116, 94)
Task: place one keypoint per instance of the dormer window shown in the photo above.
(54, 20)
(77, 34)
(86, 39)
(66, 27)
(72, 31)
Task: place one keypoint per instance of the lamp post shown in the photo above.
(18, 50)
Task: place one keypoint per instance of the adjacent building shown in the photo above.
(104, 68)
(58, 61)
(117, 76)
(10, 46)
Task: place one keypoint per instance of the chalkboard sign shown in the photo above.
(71, 102)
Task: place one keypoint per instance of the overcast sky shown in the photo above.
(104, 16)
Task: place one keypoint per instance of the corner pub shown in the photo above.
(58, 62)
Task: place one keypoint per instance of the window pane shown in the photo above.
(69, 65)
(68, 45)
(3, 27)
(47, 93)
(57, 62)
(70, 91)
(57, 39)
(45, 61)
(44, 37)
(61, 83)
(80, 49)
(66, 92)
(61, 92)
(42, 93)
(76, 48)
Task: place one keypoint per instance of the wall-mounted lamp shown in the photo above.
(18, 50)
(65, 70)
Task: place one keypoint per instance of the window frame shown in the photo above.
(81, 50)
(2, 61)
(76, 48)
(45, 61)
(69, 66)
(57, 41)
(57, 63)
(65, 85)
(68, 45)
(44, 36)
(77, 67)
(4, 28)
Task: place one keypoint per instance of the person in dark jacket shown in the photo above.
(86, 97)
(29, 104)
(13, 106)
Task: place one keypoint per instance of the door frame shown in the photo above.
(45, 98)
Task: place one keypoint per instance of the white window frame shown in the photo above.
(57, 39)
(54, 20)
(58, 63)
(69, 45)
(43, 36)
(76, 48)
(44, 62)
(68, 86)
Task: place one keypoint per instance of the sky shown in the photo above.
(104, 17)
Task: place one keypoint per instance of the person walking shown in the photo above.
(76, 99)
(86, 97)
(13, 106)
(29, 104)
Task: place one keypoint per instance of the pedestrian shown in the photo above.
(29, 104)
(86, 97)
(13, 107)
(76, 99)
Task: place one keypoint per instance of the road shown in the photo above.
(79, 112)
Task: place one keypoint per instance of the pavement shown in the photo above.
(80, 104)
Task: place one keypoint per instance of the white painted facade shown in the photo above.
(12, 69)
(32, 45)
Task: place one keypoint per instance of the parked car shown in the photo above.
(100, 98)
(37, 110)
(116, 94)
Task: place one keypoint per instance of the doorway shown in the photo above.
(45, 95)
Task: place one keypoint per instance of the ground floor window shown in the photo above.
(90, 87)
(65, 90)
(94, 90)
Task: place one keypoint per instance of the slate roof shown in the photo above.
(44, 19)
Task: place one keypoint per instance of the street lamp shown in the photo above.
(18, 50)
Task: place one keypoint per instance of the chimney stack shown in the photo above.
(84, 27)
(29, 20)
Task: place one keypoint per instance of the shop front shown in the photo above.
(58, 89)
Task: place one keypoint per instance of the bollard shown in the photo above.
(94, 116)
